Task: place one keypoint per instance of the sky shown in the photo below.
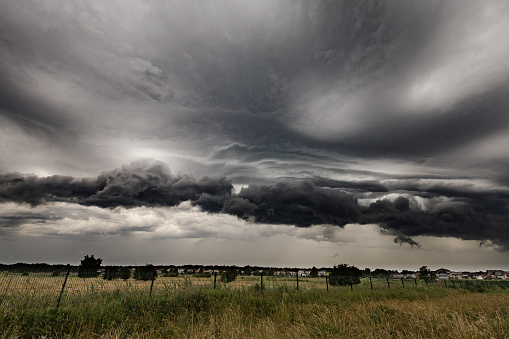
(269, 132)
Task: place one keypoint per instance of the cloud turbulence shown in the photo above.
(299, 113)
(303, 203)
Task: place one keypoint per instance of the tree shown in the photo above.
(124, 273)
(425, 274)
(147, 272)
(381, 273)
(314, 272)
(89, 266)
(229, 275)
(343, 274)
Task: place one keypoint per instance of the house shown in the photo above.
(443, 276)
(455, 275)
(495, 274)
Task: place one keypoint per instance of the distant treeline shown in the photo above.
(43, 267)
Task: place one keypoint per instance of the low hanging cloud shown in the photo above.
(141, 183)
(302, 203)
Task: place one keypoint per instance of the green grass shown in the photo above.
(274, 313)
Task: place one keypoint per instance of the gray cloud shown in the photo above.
(325, 112)
(141, 183)
(459, 212)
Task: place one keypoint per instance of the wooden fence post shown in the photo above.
(152, 283)
(63, 285)
(261, 281)
(215, 278)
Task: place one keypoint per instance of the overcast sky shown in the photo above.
(268, 132)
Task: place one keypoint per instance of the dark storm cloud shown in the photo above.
(401, 239)
(303, 203)
(444, 219)
(333, 112)
(297, 74)
(142, 183)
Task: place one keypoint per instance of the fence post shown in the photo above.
(453, 284)
(351, 285)
(297, 280)
(152, 283)
(388, 284)
(402, 283)
(327, 282)
(445, 283)
(415, 281)
(215, 278)
(63, 285)
(261, 281)
(371, 283)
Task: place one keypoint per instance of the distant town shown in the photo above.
(442, 273)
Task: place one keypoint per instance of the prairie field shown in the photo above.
(192, 308)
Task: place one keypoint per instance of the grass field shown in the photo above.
(189, 309)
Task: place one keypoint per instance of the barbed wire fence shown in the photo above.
(64, 287)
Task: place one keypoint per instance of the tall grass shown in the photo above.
(273, 313)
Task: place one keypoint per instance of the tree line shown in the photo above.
(90, 267)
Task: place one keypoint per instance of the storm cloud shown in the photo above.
(279, 112)
(149, 183)
(141, 183)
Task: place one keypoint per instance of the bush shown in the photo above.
(229, 275)
(343, 275)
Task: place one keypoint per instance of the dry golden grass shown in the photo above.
(188, 309)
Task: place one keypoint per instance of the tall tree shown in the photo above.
(425, 274)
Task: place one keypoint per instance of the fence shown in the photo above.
(63, 288)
